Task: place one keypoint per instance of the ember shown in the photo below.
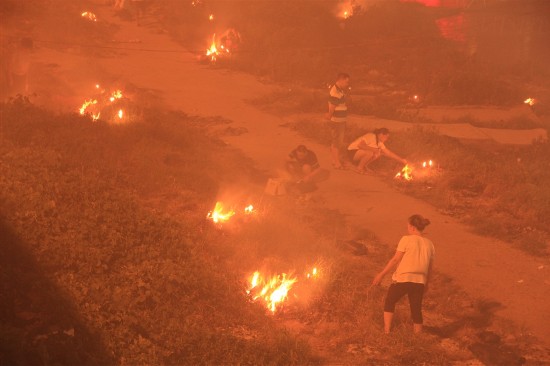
(211, 17)
(90, 16)
(249, 209)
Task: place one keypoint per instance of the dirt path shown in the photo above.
(485, 268)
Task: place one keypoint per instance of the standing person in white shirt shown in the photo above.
(369, 147)
(414, 259)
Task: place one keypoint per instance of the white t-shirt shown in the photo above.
(419, 252)
(369, 139)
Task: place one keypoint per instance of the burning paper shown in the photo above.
(219, 215)
(408, 172)
(89, 15)
(405, 173)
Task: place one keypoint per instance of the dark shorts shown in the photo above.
(415, 291)
(351, 154)
(337, 132)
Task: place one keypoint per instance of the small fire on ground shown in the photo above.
(273, 291)
(408, 172)
(530, 101)
(94, 106)
(89, 15)
(220, 214)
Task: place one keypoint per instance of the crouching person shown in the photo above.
(303, 165)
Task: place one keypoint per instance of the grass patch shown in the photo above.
(114, 218)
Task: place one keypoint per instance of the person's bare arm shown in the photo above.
(396, 259)
(394, 156)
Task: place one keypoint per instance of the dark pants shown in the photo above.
(415, 291)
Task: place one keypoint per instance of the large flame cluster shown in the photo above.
(273, 291)
(93, 106)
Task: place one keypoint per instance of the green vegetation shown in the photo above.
(113, 216)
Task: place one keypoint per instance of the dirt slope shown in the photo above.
(484, 267)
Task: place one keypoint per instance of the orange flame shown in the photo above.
(314, 273)
(530, 101)
(89, 15)
(274, 291)
(120, 113)
(405, 173)
(213, 50)
(249, 209)
(218, 215)
(211, 17)
(117, 94)
(427, 164)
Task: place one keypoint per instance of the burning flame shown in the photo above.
(249, 209)
(213, 50)
(313, 274)
(405, 173)
(89, 15)
(85, 105)
(120, 113)
(530, 101)
(428, 164)
(117, 94)
(273, 291)
(346, 10)
(218, 215)
(211, 17)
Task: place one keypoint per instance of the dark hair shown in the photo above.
(342, 76)
(383, 131)
(301, 148)
(419, 222)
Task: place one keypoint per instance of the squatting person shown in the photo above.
(369, 147)
(414, 260)
(302, 164)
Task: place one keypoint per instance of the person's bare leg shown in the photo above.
(365, 161)
(417, 328)
(388, 317)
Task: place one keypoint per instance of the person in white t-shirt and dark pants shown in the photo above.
(369, 147)
(414, 259)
